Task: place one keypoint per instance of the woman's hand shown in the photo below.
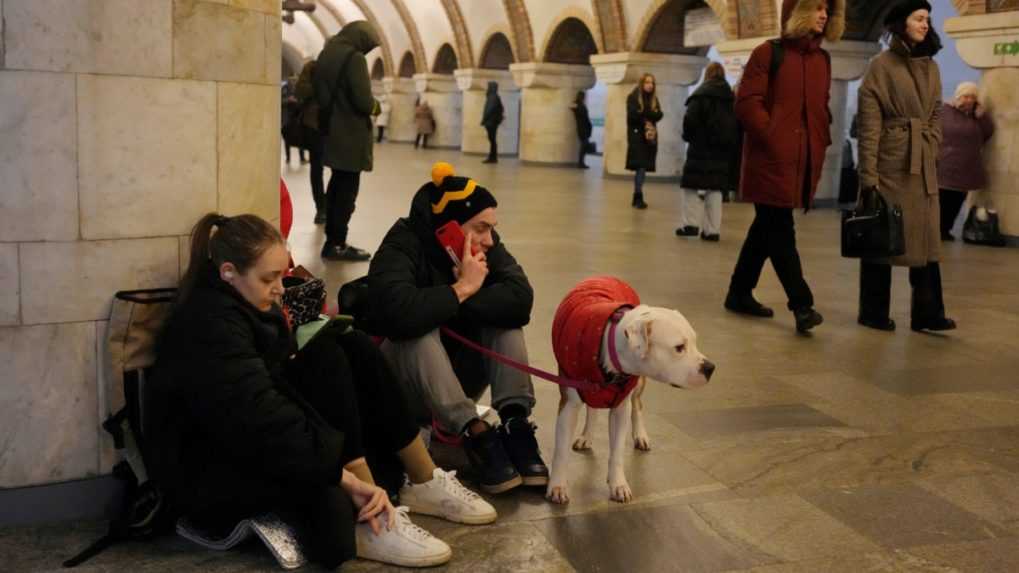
(371, 500)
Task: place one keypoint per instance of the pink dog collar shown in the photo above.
(613, 322)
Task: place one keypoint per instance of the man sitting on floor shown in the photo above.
(415, 289)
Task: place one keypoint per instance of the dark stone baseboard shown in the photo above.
(87, 499)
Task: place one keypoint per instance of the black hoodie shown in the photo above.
(410, 283)
(493, 114)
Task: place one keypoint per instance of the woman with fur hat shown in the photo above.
(784, 113)
(900, 133)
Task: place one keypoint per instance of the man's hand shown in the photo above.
(471, 273)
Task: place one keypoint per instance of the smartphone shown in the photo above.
(451, 237)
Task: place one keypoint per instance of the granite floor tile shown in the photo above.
(989, 556)
(887, 562)
(732, 421)
(785, 527)
(993, 496)
(662, 539)
(903, 515)
(975, 377)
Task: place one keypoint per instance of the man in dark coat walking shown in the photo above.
(786, 122)
(415, 289)
(344, 93)
(491, 119)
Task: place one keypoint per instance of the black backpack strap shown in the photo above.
(777, 57)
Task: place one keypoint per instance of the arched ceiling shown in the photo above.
(421, 27)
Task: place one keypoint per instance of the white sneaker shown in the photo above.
(444, 496)
(406, 544)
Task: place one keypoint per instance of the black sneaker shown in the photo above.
(345, 253)
(491, 464)
(747, 305)
(807, 318)
(518, 438)
(687, 231)
(320, 218)
(711, 237)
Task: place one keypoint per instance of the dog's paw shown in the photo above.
(620, 492)
(642, 443)
(581, 444)
(557, 494)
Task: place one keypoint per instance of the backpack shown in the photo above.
(136, 318)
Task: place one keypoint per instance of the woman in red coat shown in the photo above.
(785, 116)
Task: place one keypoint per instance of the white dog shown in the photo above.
(631, 342)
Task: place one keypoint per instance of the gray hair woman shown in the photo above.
(966, 127)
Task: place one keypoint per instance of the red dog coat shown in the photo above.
(577, 330)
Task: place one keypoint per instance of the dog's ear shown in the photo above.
(638, 335)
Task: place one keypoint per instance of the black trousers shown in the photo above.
(382, 130)
(347, 381)
(876, 287)
(493, 146)
(422, 139)
(340, 198)
(951, 202)
(318, 188)
(772, 235)
(583, 151)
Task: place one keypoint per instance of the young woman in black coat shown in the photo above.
(241, 422)
(642, 114)
(584, 127)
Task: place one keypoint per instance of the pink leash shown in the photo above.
(582, 385)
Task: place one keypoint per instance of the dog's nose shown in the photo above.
(707, 369)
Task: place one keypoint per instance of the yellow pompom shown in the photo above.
(440, 171)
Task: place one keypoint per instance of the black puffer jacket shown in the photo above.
(221, 417)
(711, 129)
(410, 280)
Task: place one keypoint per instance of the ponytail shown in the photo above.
(218, 239)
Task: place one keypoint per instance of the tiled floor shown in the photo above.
(847, 450)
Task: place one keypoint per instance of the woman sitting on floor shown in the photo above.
(243, 423)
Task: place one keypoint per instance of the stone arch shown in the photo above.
(865, 21)
(523, 35)
(662, 29)
(611, 24)
(316, 19)
(407, 66)
(387, 52)
(445, 60)
(464, 52)
(334, 12)
(570, 42)
(378, 69)
(412, 30)
(293, 57)
(497, 53)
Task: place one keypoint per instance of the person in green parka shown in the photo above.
(343, 89)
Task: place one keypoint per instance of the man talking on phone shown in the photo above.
(445, 266)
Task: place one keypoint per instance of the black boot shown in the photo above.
(747, 304)
(927, 307)
(517, 435)
(491, 463)
(807, 318)
(638, 201)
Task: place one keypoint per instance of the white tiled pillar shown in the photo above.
(621, 72)
(548, 131)
(402, 95)
(474, 84)
(446, 101)
(990, 42)
(120, 126)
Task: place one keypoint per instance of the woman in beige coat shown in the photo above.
(900, 133)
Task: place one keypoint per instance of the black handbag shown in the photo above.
(977, 232)
(873, 230)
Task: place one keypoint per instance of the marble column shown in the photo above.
(474, 84)
(990, 42)
(446, 101)
(621, 72)
(402, 95)
(120, 125)
(849, 62)
(548, 131)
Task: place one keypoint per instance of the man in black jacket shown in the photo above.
(415, 289)
(491, 119)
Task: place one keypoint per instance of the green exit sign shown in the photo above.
(1007, 49)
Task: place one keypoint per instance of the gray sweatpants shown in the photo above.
(424, 369)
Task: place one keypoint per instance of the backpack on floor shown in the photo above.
(135, 320)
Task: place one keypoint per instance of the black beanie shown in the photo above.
(903, 9)
(456, 198)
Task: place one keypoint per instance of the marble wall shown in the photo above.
(121, 123)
